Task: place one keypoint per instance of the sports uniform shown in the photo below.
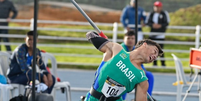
(148, 74)
(115, 78)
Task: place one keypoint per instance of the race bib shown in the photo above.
(111, 88)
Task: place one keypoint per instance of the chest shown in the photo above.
(131, 12)
(4, 6)
(158, 18)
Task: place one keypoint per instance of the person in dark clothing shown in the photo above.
(6, 7)
(128, 18)
(158, 20)
(21, 65)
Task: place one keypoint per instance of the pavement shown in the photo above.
(84, 79)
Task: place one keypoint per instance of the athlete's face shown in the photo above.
(129, 40)
(151, 53)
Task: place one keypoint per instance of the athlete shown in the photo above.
(121, 71)
(129, 45)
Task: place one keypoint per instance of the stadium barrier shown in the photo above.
(115, 33)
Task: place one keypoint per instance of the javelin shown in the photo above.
(88, 19)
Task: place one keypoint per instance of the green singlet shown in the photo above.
(117, 77)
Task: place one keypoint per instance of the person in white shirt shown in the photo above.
(158, 20)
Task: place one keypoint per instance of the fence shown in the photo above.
(115, 32)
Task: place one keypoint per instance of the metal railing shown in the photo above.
(115, 33)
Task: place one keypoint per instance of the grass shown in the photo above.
(182, 17)
(79, 59)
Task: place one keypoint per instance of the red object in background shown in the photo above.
(43, 51)
(48, 69)
(58, 79)
(158, 4)
(195, 58)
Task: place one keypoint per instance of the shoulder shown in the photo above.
(8, 1)
(22, 47)
(164, 12)
(127, 7)
(152, 12)
(117, 48)
(144, 84)
(38, 51)
(122, 44)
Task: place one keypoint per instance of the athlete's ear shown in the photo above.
(145, 44)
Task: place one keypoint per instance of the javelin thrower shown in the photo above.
(120, 72)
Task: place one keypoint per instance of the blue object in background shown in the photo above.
(3, 79)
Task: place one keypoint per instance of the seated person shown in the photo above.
(20, 70)
(129, 45)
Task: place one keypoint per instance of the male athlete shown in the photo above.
(121, 71)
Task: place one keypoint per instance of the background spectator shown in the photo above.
(21, 65)
(6, 7)
(128, 18)
(158, 20)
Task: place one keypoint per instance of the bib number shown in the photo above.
(112, 89)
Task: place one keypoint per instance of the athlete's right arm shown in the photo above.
(141, 92)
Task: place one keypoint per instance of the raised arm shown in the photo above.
(104, 45)
(141, 92)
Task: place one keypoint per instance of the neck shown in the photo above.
(158, 11)
(136, 58)
(130, 48)
(30, 51)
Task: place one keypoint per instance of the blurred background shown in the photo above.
(169, 5)
(62, 30)
(59, 18)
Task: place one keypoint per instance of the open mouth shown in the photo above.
(150, 58)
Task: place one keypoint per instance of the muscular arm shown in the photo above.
(141, 94)
(104, 45)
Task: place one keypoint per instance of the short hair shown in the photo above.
(31, 33)
(149, 42)
(130, 33)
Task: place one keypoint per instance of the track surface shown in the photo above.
(84, 78)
